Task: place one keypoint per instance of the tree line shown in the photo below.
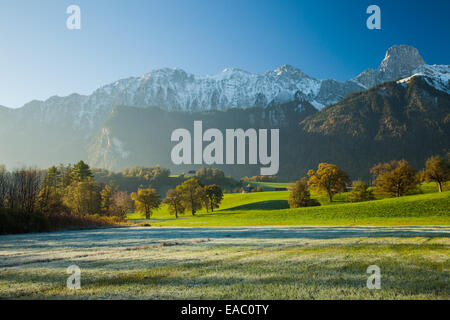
(62, 189)
(159, 178)
(73, 191)
(394, 179)
(191, 196)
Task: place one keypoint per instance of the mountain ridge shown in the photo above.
(175, 89)
(66, 129)
(393, 120)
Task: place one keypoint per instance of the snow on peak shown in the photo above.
(290, 70)
(437, 76)
(175, 89)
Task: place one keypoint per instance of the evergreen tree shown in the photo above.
(81, 171)
(52, 177)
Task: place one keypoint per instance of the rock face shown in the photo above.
(399, 62)
(331, 91)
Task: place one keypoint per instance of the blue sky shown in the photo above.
(40, 57)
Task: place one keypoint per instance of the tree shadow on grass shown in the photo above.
(262, 205)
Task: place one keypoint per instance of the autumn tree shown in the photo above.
(146, 200)
(395, 178)
(437, 170)
(300, 195)
(174, 200)
(106, 196)
(214, 195)
(50, 198)
(66, 176)
(83, 197)
(360, 192)
(328, 179)
(204, 198)
(192, 193)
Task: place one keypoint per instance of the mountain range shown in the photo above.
(65, 129)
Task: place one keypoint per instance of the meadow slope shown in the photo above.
(271, 208)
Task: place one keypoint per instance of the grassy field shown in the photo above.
(254, 247)
(271, 208)
(224, 263)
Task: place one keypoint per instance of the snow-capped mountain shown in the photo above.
(436, 76)
(95, 127)
(175, 89)
(399, 62)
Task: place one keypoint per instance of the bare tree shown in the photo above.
(3, 186)
(121, 205)
(23, 189)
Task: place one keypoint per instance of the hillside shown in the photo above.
(149, 142)
(393, 120)
(271, 208)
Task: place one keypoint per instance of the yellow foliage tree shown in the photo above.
(328, 179)
(146, 200)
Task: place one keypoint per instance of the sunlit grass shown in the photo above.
(271, 208)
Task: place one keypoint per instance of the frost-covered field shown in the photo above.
(229, 263)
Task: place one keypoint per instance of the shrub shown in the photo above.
(360, 192)
(300, 195)
(19, 221)
(65, 221)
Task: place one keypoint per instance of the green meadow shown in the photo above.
(271, 208)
